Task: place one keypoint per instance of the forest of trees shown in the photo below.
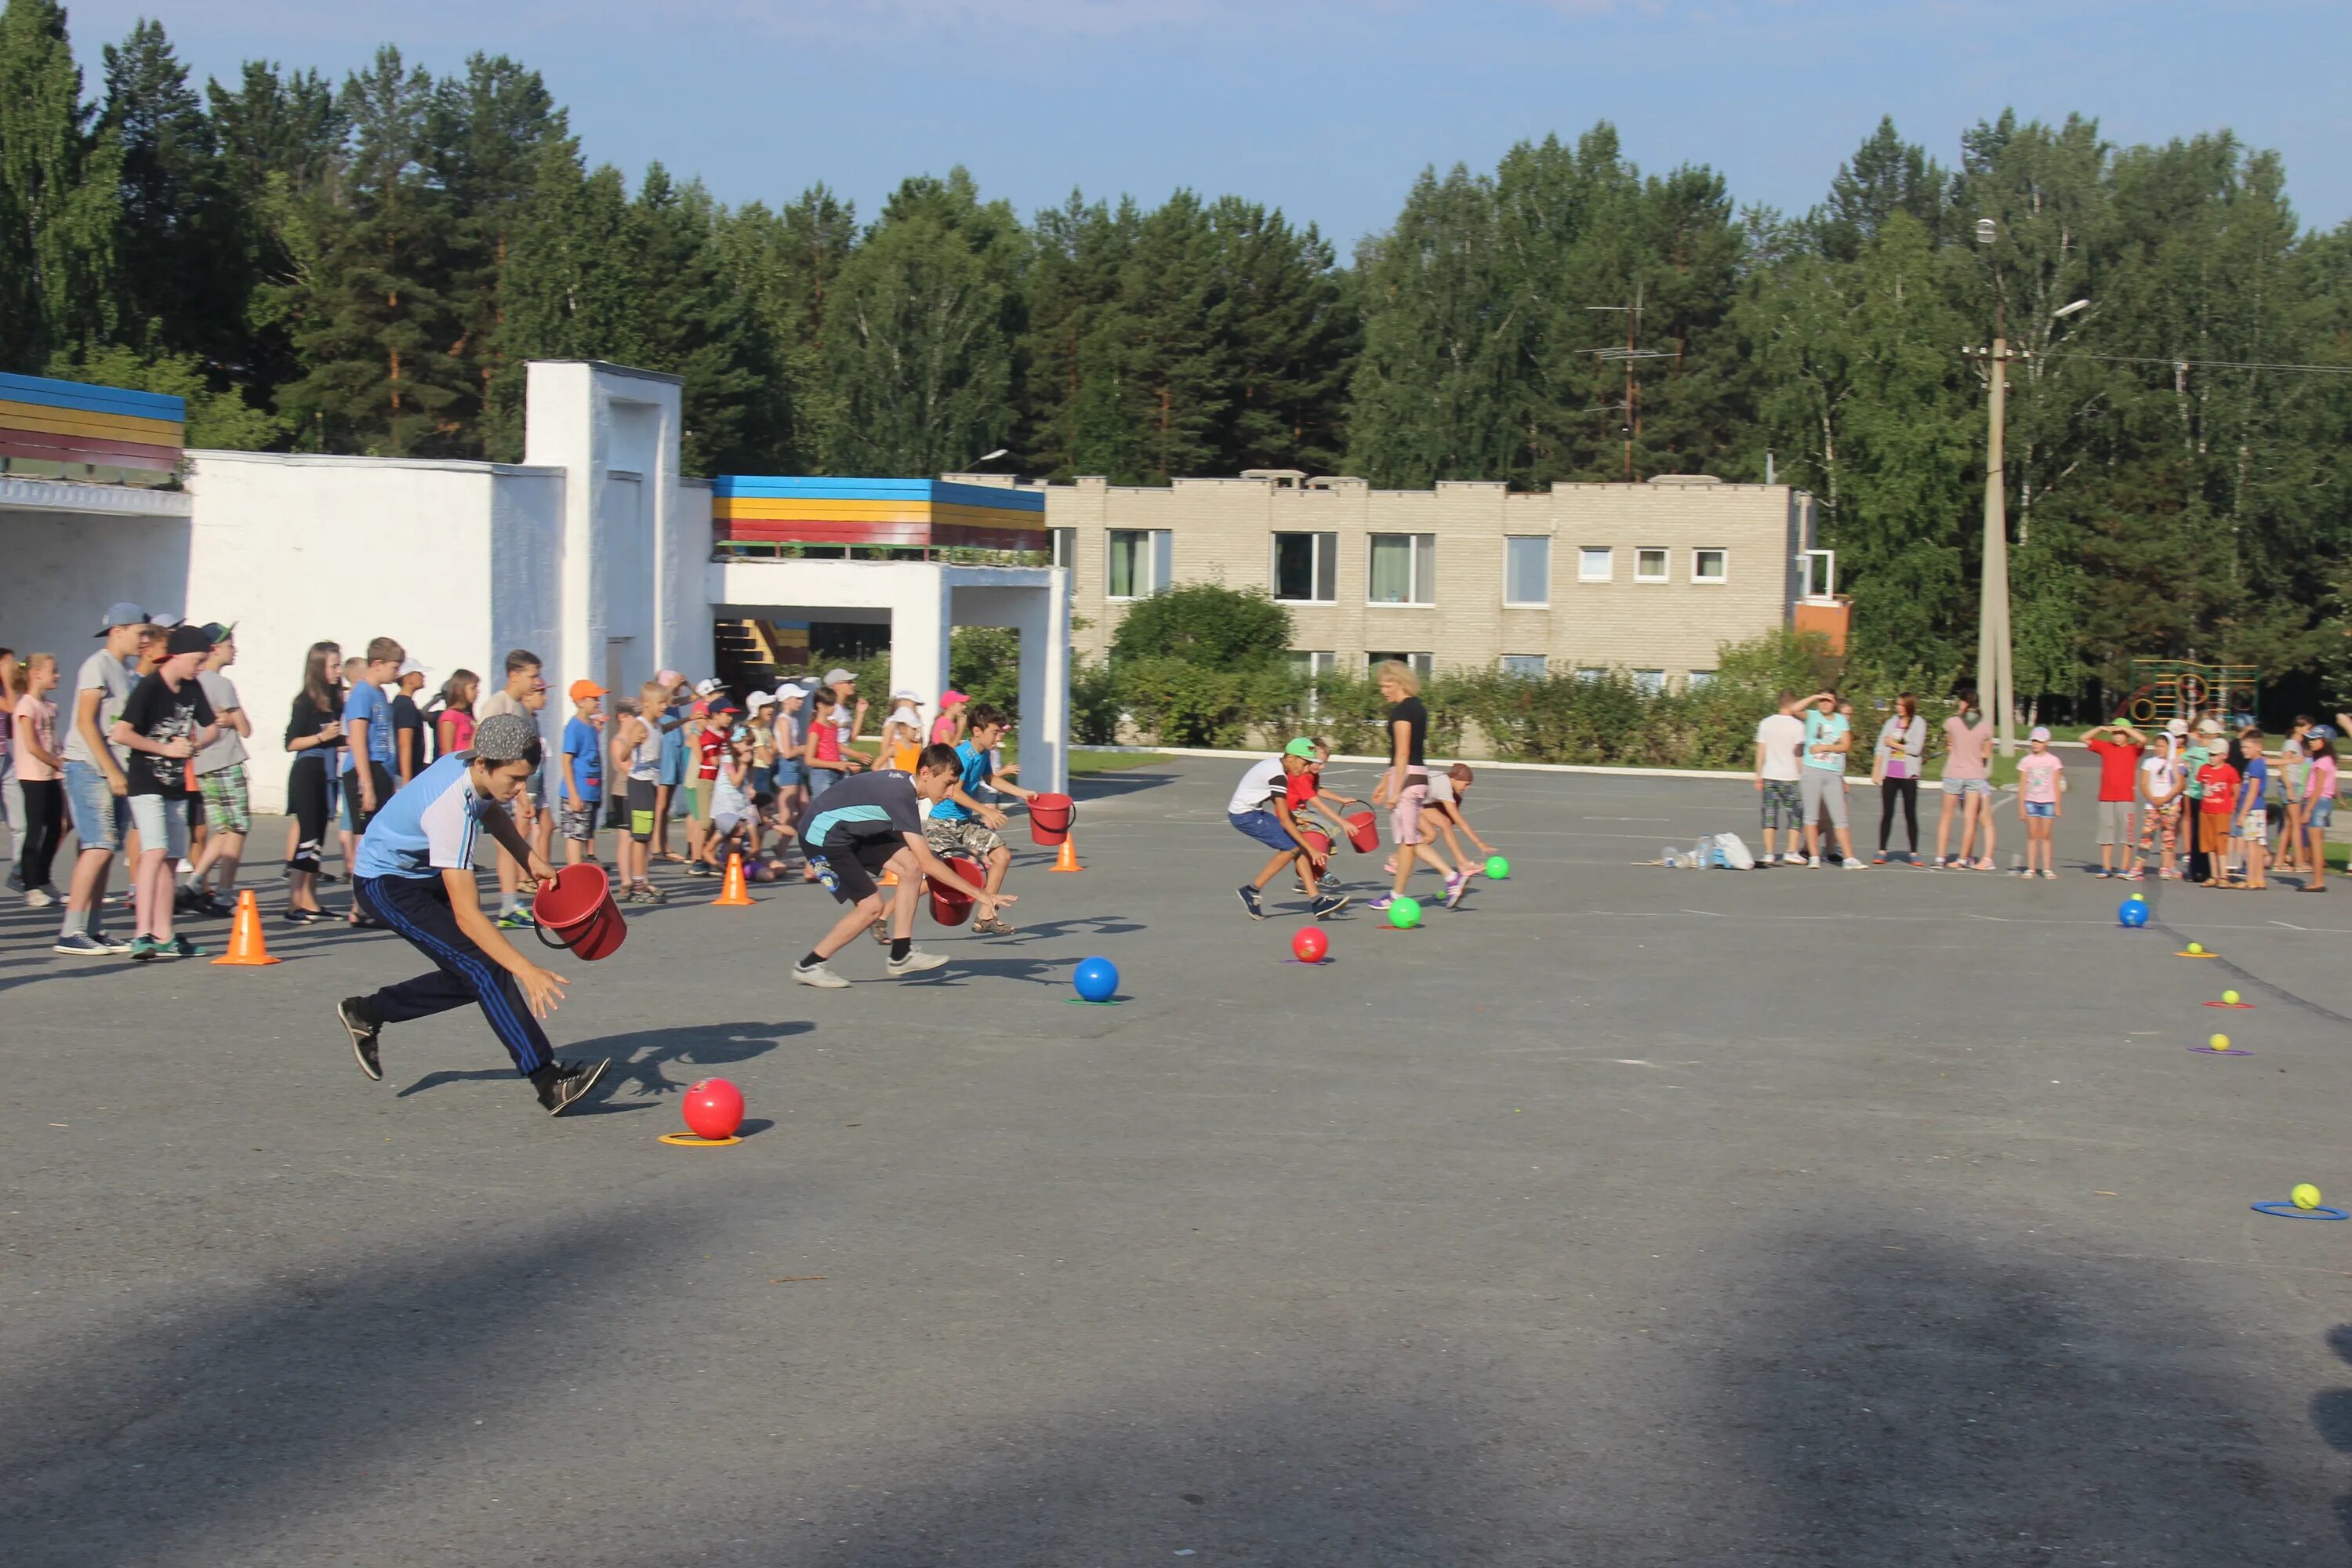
(367, 265)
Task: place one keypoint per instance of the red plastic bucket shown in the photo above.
(1317, 840)
(1049, 818)
(578, 908)
(1364, 831)
(952, 905)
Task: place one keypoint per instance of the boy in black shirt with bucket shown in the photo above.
(165, 722)
(866, 823)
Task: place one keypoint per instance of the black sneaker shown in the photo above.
(561, 1086)
(1329, 904)
(364, 1032)
(1248, 896)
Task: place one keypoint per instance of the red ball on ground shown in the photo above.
(1310, 945)
(714, 1109)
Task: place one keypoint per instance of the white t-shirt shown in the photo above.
(1263, 780)
(2161, 774)
(1783, 736)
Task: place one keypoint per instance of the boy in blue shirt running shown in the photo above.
(962, 825)
(416, 867)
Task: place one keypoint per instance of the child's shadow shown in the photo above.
(2331, 1413)
(639, 1056)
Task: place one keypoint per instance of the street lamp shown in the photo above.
(984, 457)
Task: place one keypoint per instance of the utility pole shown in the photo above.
(1995, 679)
(1631, 409)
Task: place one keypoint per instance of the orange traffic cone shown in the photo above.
(731, 893)
(889, 878)
(246, 946)
(1067, 860)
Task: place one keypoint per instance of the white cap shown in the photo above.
(709, 686)
(2176, 727)
(908, 698)
(836, 675)
(409, 667)
(759, 699)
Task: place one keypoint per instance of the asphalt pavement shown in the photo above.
(1623, 1215)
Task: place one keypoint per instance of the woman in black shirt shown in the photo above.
(1404, 785)
(314, 733)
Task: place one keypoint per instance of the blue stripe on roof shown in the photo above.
(783, 487)
(91, 399)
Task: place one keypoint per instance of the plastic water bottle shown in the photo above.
(1667, 858)
(825, 873)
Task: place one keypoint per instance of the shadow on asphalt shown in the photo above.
(1111, 786)
(638, 1057)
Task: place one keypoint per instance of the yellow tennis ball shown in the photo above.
(2138, 898)
(2219, 1042)
(2306, 1195)
(2196, 947)
(2231, 997)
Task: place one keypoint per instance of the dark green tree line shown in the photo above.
(367, 266)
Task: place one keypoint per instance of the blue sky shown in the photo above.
(1325, 108)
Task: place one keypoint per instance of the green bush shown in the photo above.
(984, 664)
(1205, 623)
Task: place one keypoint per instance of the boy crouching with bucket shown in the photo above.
(416, 867)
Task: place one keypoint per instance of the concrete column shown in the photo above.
(921, 614)
(1044, 621)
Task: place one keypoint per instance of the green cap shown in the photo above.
(1301, 747)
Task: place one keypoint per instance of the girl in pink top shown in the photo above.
(2318, 808)
(946, 729)
(2041, 784)
(34, 733)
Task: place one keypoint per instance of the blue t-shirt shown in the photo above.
(427, 827)
(2252, 797)
(583, 743)
(975, 774)
(673, 755)
(1822, 730)
(366, 701)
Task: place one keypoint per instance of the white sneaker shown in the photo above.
(1814, 862)
(821, 977)
(1853, 865)
(915, 961)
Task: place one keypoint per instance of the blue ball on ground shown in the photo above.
(2134, 914)
(1097, 980)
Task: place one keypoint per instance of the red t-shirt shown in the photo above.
(708, 748)
(2221, 782)
(1298, 788)
(2118, 768)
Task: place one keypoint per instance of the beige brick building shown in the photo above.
(1652, 578)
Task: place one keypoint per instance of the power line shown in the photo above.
(2201, 364)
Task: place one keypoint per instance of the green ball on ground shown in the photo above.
(1405, 914)
(1499, 867)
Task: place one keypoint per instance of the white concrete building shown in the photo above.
(594, 552)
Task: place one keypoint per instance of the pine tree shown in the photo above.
(57, 194)
(185, 269)
(1294, 337)
(377, 321)
(781, 267)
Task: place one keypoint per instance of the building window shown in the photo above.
(1310, 665)
(1593, 564)
(1526, 570)
(1138, 562)
(1591, 676)
(1708, 566)
(1524, 666)
(1650, 682)
(1404, 569)
(1065, 546)
(1307, 568)
(1649, 566)
(1420, 662)
(1699, 681)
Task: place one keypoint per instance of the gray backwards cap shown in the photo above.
(504, 738)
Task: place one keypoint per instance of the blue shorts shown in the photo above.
(2318, 812)
(2041, 808)
(101, 816)
(789, 774)
(1264, 827)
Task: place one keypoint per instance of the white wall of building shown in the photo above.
(60, 570)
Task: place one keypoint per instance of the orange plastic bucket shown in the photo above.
(578, 908)
(1049, 818)
(1364, 831)
(952, 905)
